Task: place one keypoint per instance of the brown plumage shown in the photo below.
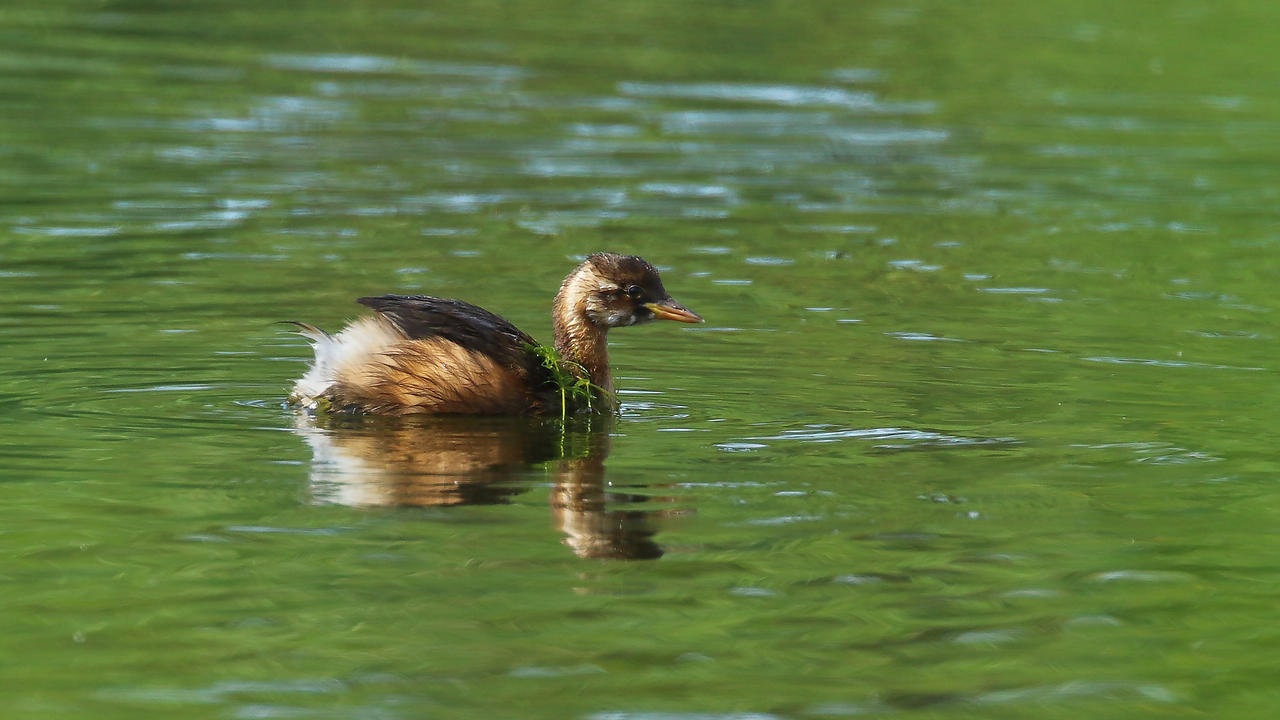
(422, 354)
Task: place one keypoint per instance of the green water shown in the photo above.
(980, 425)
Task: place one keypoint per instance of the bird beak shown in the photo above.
(671, 310)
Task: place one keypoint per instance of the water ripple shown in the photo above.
(73, 232)
(1074, 689)
(1145, 576)
(1164, 363)
(1015, 290)
(645, 715)
(542, 672)
(917, 437)
(856, 75)
(374, 64)
(788, 95)
(922, 337)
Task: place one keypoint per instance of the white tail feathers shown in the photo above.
(340, 356)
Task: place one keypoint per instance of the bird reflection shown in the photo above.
(579, 507)
(440, 461)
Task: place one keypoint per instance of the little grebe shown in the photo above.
(423, 354)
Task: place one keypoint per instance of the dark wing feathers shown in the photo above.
(474, 328)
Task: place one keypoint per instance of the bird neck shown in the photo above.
(578, 339)
(584, 344)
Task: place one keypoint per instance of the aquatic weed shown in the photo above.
(576, 392)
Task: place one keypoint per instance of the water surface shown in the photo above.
(979, 424)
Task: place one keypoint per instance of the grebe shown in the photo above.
(420, 354)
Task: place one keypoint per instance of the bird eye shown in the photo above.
(635, 292)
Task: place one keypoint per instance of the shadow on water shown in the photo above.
(445, 461)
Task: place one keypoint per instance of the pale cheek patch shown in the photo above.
(609, 317)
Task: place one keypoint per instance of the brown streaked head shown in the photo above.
(626, 290)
